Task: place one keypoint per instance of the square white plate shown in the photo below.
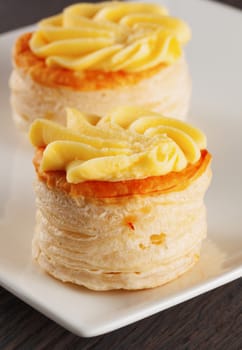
(215, 56)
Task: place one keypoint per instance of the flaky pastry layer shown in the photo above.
(134, 242)
(38, 91)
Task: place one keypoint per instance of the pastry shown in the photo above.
(119, 198)
(95, 57)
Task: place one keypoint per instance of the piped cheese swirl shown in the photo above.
(129, 143)
(110, 36)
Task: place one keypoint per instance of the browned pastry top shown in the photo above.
(172, 182)
(88, 80)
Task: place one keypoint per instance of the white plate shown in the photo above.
(215, 56)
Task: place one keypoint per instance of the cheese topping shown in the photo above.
(110, 36)
(129, 143)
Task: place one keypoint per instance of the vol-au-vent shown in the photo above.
(95, 57)
(119, 198)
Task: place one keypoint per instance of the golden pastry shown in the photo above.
(119, 198)
(95, 57)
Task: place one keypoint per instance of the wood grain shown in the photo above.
(210, 321)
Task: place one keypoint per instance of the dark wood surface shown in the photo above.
(211, 321)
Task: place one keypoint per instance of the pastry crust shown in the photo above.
(172, 182)
(133, 242)
(38, 91)
(87, 80)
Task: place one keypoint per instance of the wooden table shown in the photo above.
(211, 321)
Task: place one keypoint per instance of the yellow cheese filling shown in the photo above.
(129, 143)
(110, 36)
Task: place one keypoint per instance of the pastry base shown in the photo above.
(134, 242)
(167, 92)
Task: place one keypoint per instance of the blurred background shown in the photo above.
(15, 13)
